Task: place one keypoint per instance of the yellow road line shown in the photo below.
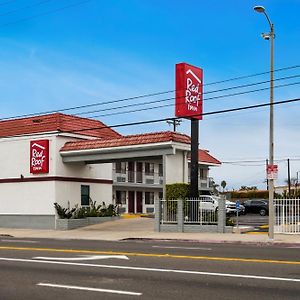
(237, 259)
(256, 232)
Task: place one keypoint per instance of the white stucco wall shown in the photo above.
(70, 193)
(101, 171)
(32, 198)
(38, 197)
(15, 156)
(176, 168)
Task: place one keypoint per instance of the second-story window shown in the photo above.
(121, 167)
(149, 168)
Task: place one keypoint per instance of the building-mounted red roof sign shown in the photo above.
(39, 156)
(189, 89)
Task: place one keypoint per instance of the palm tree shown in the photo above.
(223, 184)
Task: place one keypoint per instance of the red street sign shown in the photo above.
(39, 156)
(272, 171)
(189, 89)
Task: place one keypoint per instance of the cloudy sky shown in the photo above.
(57, 54)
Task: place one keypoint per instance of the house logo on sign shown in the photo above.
(193, 92)
(39, 156)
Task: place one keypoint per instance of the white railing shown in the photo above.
(287, 216)
(168, 211)
(137, 177)
(202, 211)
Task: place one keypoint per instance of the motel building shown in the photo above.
(70, 160)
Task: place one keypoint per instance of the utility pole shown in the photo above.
(175, 123)
(267, 162)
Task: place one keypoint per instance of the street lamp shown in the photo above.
(270, 36)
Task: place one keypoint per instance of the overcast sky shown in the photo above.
(61, 53)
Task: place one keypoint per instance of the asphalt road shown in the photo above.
(74, 269)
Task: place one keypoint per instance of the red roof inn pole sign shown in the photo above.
(39, 156)
(189, 87)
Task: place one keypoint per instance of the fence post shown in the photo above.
(180, 216)
(221, 215)
(157, 214)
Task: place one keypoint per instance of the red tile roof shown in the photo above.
(129, 140)
(56, 122)
(204, 156)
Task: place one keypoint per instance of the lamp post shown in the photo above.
(270, 36)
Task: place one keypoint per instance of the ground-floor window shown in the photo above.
(149, 198)
(85, 195)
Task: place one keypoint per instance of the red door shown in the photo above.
(131, 202)
(139, 202)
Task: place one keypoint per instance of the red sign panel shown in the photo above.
(272, 171)
(189, 88)
(39, 156)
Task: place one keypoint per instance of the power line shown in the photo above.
(140, 96)
(205, 99)
(174, 118)
(45, 13)
(156, 107)
(211, 98)
(24, 7)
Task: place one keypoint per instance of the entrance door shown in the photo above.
(139, 202)
(131, 202)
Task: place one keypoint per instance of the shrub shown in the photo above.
(177, 191)
(64, 213)
(93, 210)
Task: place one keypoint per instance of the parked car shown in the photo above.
(231, 208)
(209, 203)
(256, 207)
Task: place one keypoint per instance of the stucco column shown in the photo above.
(221, 215)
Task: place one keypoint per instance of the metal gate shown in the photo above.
(287, 216)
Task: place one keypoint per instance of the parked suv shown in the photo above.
(256, 207)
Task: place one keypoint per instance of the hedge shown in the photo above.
(177, 191)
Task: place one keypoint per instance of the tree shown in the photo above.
(223, 184)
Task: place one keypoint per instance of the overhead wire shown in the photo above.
(140, 96)
(24, 7)
(152, 108)
(45, 13)
(175, 118)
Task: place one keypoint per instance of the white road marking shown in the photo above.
(186, 248)
(83, 257)
(82, 288)
(176, 271)
(19, 241)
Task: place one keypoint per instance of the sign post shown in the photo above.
(189, 90)
(237, 207)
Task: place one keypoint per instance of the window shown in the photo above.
(85, 195)
(120, 197)
(121, 167)
(203, 173)
(160, 170)
(149, 168)
(161, 195)
(149, 198)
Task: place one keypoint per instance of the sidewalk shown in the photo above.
(143, 228)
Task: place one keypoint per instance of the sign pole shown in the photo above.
(194, 192)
